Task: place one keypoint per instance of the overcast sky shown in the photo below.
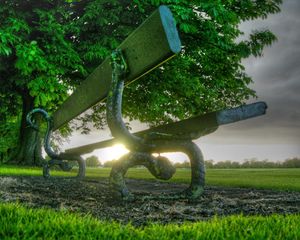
(276, 76)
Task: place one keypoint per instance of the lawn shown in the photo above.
(18, 222)
(279, 179)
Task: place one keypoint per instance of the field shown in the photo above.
(237, 204)
(260, 178)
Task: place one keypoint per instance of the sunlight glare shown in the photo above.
(117, 151)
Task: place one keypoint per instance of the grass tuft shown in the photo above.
(18, 222)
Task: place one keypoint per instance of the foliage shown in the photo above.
(263, 178)
(92, 161)
(48, 47)
(38, 57)
(254, 163)
(108, 164)
(37, 61)
(208, 76)
(291, 163)
(185, 164)
(18, 222)
(8, 139)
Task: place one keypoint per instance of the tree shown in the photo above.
(109, 164)
(209, 163)
(47, 47)
(93, 161)
(185, 164)
(37, 62)
(291, 163)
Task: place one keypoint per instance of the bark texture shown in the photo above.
(29, 151)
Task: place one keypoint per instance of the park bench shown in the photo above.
(149, 46)
(155, 41)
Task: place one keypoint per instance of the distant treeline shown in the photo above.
(93, 161)
(251, 163)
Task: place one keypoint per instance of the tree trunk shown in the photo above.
(29, 146)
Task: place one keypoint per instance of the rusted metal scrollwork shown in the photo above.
(142, 148)
(55, 159)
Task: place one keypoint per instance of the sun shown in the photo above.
(117, 151)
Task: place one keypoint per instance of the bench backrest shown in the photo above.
(155, 41)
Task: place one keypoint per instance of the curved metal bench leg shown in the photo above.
(197, 184)
(160, 167)
(65, 165)
(56, 159)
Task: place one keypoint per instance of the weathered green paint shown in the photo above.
(193, 127)
(150, 45)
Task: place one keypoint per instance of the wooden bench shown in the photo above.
(154, 42)
(149, 46)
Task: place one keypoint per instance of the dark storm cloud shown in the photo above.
(276, 79)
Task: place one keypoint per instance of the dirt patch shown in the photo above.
(154, 200)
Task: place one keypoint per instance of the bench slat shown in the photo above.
(150, 45)
(199, 126)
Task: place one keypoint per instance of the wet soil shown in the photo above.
(154, 200)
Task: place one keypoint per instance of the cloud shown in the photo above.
(276, 80)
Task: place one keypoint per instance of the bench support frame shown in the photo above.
(142, 148)
(160, 36)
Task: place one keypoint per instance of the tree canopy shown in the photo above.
(48, 47)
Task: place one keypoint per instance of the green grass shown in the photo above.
(280, 179)
(12, 170)
(18, 222)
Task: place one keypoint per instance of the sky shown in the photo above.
(276, 75)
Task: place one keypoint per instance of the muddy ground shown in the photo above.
(153, 200)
